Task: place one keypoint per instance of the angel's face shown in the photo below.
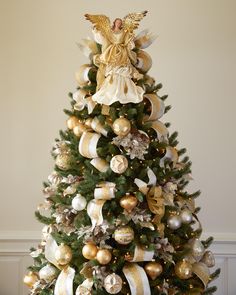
(118, 23)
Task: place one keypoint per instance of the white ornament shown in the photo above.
(119, 164)
(174, 222)
(113, 283)
(186, 216)
(79, 203)
(47, 273)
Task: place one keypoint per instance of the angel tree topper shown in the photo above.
(117, 59)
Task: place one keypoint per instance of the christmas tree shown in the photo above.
(118, 218)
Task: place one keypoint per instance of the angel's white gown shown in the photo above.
(118, 84)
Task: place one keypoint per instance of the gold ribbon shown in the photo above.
(202, 271)
(142, 185)
(161, 130)
(98, 127)
(141, 254)
(137, 279)
(105, 191)
(64, 283)
(88, 144)
(157, 107)
(171, 154)
(100, 164)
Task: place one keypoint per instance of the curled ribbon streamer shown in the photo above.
(50, 249)
(82, 75)
(88, 144)
(161, 130)
(202, 271)
(137, 279)
(64, 283)
(105, 192)
(98, 127)
(157, 107)
(100, 164)
(171, 154)
(140, 254)
(94, 210)
(142, 185)
(81, 101)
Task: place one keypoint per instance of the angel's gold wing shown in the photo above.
(101, 23)
(131, 21)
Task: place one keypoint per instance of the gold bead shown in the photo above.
(72, 122)
(89, 251)
(30, 279)
(121, 126)
(103, 256)
(153, 269)
(63, 254)
(128, 202)
(183, 269)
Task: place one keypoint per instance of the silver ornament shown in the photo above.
(186, 216)
(208, 259)
(197, 249)
(48, 273)
(113, 283)
(174, 222)
(79, 203)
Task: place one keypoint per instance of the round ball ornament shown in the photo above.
(124, 235)
(208, 259)
(153, 269)
(197, 249)
(30, 279)
(119, 164)
(88, 122)
(89, 251)
(121, 127)
(113, 283)
(186, 216)
(183, 269)
(79, 203)
(64, 161)
(104, 256)
(72, 122)
(63, 254)
(128, 202)
(79, 129)
(174, 222)
(48, 273)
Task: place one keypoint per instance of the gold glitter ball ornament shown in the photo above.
(72, 122)
(128, 202)
(30, 279)
(79, 129)
(153, 269)
(183, 269)
(104, 256)
(89, 251)
(124, 235)
(113, 283)
(63, 254)
(63, 161)
(119, 164)
(48, 273)
(121, 127)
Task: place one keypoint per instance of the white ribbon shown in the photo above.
(100, 164)
(85, 288)
(81, 101)
(142, 185)
(137, 279)
(140, 254)
(94, 210)
(64, 283)
(50, 249)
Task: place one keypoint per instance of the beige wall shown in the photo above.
(194, 57)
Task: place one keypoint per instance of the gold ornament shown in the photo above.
(104, 256)
(63, 254)
(88, 122)
(208, 259)
(119, 164)
(128, 202)
(47, 273)
(79, 129)
(124, 235)
(89, 251)
(63, 161)
(197, 249)
(72, 122)
(153, 269)
(121, 127)
(183, 269)
(113, 283)
(30, 279)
